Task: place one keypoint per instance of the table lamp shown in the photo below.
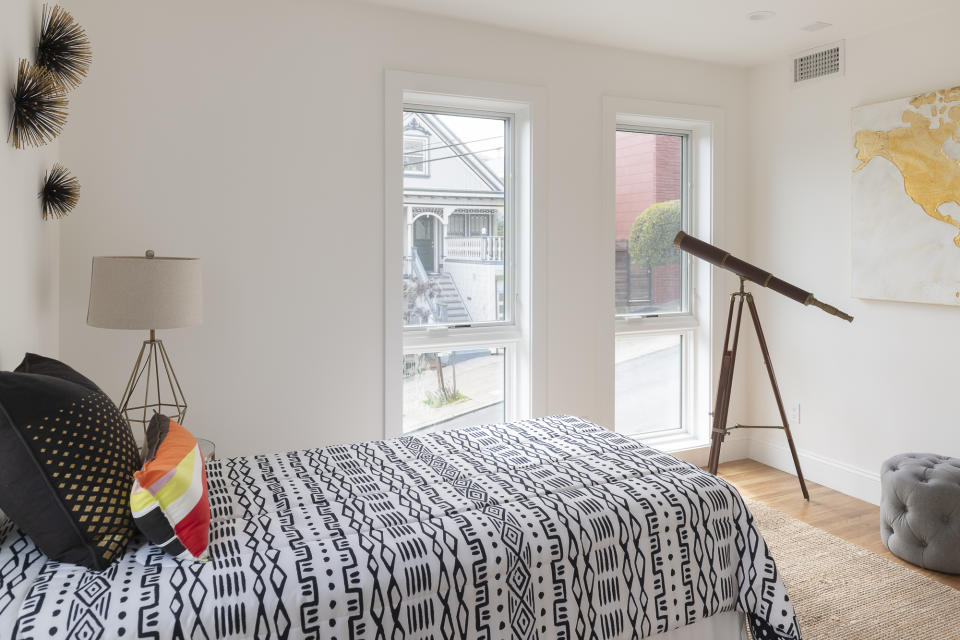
(148, 293)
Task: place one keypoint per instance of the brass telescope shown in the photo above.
(746, 271)
(719, 257)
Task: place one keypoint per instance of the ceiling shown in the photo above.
(715, 30)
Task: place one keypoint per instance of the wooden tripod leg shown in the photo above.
(720, 411)
(724, 385)
(776, 392)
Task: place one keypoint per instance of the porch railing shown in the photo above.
(482, 248)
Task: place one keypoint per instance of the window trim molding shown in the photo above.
(527, 335)
(706, 127)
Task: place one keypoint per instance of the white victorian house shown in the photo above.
(454, 219)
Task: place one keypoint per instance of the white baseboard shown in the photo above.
(732, 449)
(839, 476)
(835, 474)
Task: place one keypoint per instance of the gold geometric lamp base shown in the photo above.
(153, 387)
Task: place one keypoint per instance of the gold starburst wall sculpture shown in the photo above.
(39, 107)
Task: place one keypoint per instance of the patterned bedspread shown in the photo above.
(551, 528)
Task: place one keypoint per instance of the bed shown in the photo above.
(548, 528)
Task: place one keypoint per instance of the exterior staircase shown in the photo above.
(450, 302)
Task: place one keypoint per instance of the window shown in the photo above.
(416, 158)
(454, 257)
(661, 182)
(461, 315)
(457, 225)
(651, 207)
(649, 382)
(447, 389)
(452, 269)
(651, 279)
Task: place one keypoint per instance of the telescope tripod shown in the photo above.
(725, 384)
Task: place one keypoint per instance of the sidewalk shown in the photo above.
(479, 378)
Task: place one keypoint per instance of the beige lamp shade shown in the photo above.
(128, 292)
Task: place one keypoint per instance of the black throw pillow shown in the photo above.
(67, 458)
(32, 363)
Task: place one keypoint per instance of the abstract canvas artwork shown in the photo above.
(906, 199)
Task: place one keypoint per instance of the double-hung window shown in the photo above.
(662, 299)
(416, 158)
(462, 233)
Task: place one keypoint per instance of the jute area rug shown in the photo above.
(842, 591)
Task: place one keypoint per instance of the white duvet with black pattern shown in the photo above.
(550, 528)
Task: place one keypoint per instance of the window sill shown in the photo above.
(672, 442)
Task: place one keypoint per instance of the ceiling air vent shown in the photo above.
(818, 63)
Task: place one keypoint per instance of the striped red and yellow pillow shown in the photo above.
(169, 498)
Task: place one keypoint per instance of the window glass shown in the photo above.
(650, 281)
(415, 155)
(650, 273)
(449, 389)
(455, 219)
(649, 382)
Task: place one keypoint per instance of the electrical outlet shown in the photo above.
(795, 413)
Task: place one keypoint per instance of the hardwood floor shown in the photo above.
(845, 517)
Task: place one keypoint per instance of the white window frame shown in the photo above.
(523, 333)
(698, 324)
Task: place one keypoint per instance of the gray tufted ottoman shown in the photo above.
(920, 509)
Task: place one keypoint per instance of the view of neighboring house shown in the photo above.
(454, 219)
(455, 234)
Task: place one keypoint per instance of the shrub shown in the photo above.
(652, 233)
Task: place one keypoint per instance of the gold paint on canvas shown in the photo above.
(930, 177)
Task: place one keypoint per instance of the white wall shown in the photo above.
(887, 383)
(29, 247)
(250, 134)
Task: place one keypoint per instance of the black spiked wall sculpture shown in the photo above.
(39, 107)
(63, 48)
(60, 192)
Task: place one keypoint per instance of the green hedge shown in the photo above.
(652, 234)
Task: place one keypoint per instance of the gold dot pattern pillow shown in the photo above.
(67, 458)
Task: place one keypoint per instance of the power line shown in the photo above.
(455, 144)
(456, 155)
